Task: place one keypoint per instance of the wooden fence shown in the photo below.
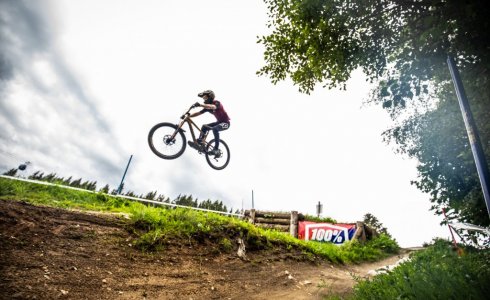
(288, 222)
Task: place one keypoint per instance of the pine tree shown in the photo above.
(150, 195)
(11, 172)
(76, 183)
(105, 189)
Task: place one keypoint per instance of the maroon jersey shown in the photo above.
(219, 112)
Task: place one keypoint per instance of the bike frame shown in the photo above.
(186, 119)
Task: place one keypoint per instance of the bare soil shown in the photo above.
(49, 253)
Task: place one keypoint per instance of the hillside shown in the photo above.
(49, 253)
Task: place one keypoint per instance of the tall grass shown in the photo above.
(156, 225)
(437, 272)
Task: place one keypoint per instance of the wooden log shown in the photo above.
(251, 217)
(293, 225)
(277, 227)
(272, 221)
(275, 215)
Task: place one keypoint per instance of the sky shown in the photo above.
(82, 83)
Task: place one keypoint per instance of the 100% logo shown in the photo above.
(327, 235)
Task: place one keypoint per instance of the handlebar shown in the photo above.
(187, 113)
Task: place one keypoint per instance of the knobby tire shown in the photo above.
(157, 143)
(224, 159)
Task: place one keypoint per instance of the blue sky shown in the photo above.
(82, 82)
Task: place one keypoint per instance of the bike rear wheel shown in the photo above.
(161, 142)
(220, 161)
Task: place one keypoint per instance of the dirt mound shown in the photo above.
(48, 253)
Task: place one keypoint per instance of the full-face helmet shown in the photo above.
(210, 95)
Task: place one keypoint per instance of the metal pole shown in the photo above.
(476, 147)
(253, 199)
(319, 209)
(122, 180)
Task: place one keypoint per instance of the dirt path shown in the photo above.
(48, 253)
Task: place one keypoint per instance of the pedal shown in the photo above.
(195, 146)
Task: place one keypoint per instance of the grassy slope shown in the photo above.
(155, 225)
(435, 273)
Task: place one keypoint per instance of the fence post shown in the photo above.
(360, 232)
(251, 218)
(293, 227)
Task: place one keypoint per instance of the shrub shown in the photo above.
(437, 272)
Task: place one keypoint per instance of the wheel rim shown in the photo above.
(221, 161)
(161, 145)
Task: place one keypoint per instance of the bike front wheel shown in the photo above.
(166, 140)
(221, 160)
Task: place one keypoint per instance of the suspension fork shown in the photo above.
(179, 127)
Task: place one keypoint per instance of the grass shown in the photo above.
(437, 272)
(155, 226)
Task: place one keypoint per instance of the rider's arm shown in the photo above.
(209, 106)
(196, 114)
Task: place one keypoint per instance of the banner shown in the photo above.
(326, 232)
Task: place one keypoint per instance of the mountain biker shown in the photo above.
(222, 120)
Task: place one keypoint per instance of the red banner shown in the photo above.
(326, 232)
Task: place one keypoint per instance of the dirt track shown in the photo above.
(48, 253)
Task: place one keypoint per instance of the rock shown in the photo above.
(104, 280)
(241, 249)
(63, 292)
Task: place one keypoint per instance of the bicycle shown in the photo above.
(168, 141)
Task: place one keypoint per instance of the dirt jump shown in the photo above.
(49, 253)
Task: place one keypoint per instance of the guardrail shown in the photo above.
(121, 196)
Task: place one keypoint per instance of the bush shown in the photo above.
(437, 272)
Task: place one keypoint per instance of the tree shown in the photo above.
(76, 183)
(11, 172)
(130, 194)
(38, 175)
(162, 198)
(185, 201)
(402, 46)
(150, 195)
(374, 223)
(105, 189)
(67, 181)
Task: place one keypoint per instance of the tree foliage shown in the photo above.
(11, 172)
(402, 46)
(373, 222)
(184, 200)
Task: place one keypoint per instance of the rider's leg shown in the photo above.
(204, 129)
(216, 129)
